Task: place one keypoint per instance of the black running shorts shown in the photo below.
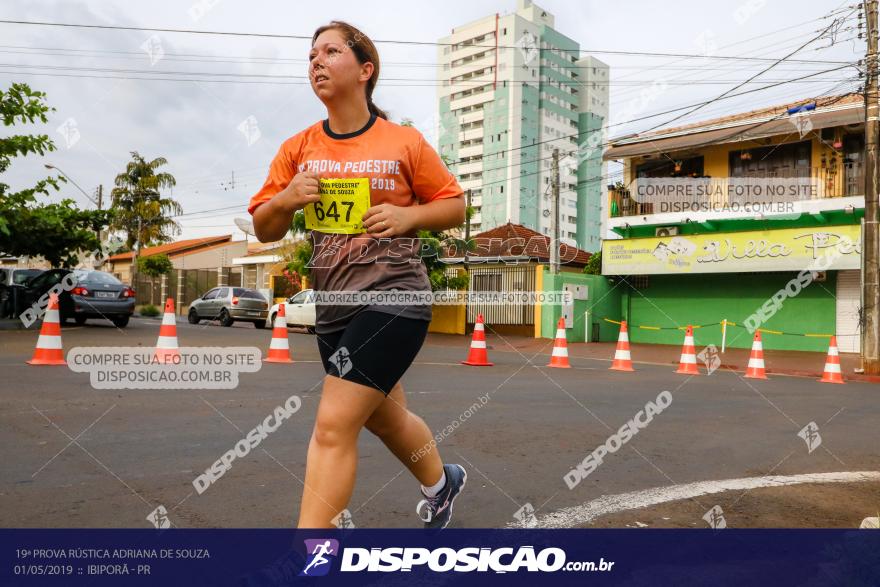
(374, 349)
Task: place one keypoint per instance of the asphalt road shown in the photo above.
(75, 456)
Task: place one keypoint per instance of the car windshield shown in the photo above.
(241, 292)
(95, 277)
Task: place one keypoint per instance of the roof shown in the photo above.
(515, 240)
(259, 248)
(754, 124)
(176, 248)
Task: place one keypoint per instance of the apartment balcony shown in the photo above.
(473, 63)
(779, 192)
(470, 167)
(470, 151)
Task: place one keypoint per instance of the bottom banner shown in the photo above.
(264, 558)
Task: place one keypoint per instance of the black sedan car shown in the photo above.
(95, 294)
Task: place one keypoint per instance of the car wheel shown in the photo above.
(261, 324)
(80, 320)
(225, 318)
(120, 321)
(193, 317)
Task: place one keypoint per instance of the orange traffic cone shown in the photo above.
(166, 347)
(49, 350)
(559, 358)
(279, 347)
(688, 363)
(755, 370)
(477, 356)
(622, 359)
(832, 372)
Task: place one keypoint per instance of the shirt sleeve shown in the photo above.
(431, 178)
(281, 172)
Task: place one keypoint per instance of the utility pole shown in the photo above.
(871, 245)
(134, 255)
(100, 206)
(467, 229)
(554, 251)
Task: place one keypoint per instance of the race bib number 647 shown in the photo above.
(341, 207)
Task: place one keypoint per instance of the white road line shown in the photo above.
(611, 504)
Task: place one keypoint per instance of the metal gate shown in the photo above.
(502, 278)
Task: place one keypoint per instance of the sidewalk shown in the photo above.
(798, 363)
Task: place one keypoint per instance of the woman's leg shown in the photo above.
(407, 437)
(332, 458)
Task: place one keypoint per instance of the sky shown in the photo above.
(211, 127)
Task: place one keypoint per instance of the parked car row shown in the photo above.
(238, 304)
(98, 294)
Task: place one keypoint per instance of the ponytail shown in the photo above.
(375, 109)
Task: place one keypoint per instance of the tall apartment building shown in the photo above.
(513, 90)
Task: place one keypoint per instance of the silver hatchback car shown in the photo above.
(228, 305)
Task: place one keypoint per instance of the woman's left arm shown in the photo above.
(387, 220)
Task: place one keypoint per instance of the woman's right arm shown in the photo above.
(272, 219)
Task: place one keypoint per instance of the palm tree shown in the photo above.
(139, 210)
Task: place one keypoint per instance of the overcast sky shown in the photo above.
(195, 124)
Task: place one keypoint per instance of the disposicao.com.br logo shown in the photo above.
(321, 552)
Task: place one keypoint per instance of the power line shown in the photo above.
(392, 41)
(750, 79)
(587, 132)
(429, 81)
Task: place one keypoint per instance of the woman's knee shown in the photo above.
(333, 433)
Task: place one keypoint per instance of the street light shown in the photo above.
(92, 200)
(98, 233)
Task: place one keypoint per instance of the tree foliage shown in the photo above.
(58, 232)
(594, 265)
(155, 265)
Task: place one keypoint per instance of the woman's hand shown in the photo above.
(272, 219)
(302, 190)
(387, 220)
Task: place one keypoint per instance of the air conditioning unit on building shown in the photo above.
(666, 231)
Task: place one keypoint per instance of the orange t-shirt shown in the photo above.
(403, 170)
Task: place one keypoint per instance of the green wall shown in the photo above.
(677, 300)
(603, 300)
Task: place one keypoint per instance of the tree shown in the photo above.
(154, 266)
(139, 209)
(594, 264)
(58, 232)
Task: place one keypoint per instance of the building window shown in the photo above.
(792, 160)
(692, 167)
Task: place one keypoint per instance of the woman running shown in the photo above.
(400, 185)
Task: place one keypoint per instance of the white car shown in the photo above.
(299, 310)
